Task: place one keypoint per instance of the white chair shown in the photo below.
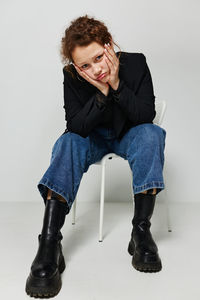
(160, 107)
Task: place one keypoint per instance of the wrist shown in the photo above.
(105, 91)
(116, 85)
(116, 93)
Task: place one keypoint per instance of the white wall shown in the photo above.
(31, 80)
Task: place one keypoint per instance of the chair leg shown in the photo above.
(131, 182)
(166, 201)
(167, 211)
(102, 202)
(74, 211)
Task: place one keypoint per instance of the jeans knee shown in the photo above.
(71, 138)
(153, 134)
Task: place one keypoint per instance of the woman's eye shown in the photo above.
(86, 64)
(83, 66)
(99, 56)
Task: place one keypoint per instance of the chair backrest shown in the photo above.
(160, 107)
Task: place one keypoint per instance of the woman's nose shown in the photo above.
(97, 71)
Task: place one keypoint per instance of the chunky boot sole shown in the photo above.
(45, 287)
(154, 265)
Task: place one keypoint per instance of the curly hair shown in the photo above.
(81, 32)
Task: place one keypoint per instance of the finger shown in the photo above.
(80, 72)
(110, 66)
(113, 64)
(85, 76)
(110, 49)
(109, 58)
(77, 69)
(113, 59)
(107, 52)
(112, 52)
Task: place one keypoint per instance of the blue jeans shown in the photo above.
(142, 145)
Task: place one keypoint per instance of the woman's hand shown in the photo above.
(103, 87)
(113, 64)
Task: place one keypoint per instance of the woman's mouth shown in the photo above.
(101, 76)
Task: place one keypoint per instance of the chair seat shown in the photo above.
(107, 156)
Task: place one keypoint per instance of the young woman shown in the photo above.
(109, 107)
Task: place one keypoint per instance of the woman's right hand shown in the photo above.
(103, 87)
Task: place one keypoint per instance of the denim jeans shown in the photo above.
(142, 146)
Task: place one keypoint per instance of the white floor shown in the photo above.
(103, 271)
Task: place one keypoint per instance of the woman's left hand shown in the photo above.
(113, 64)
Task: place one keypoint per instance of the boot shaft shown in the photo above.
(54, 217)
(144, 206)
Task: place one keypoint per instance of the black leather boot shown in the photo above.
(44, 280)
(142, 246)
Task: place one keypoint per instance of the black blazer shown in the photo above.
(133, 102)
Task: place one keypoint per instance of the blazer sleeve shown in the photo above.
(139, 107)
(81, 119)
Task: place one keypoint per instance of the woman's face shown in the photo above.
(91, 60)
